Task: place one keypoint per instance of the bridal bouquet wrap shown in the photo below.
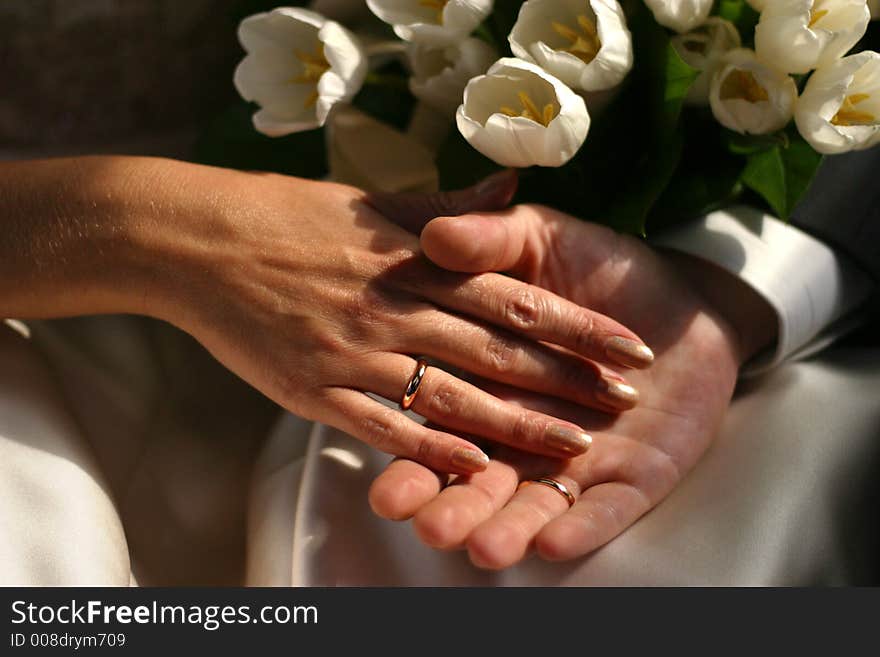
(631, 113)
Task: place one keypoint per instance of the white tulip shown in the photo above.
(298, 66)
(436, 22)
(441, 74)
(703, 49)
(839, 109)
(749, 97)
(758, 5)
(584, 43)
(797, 36)
(519, 115)
(680, 15)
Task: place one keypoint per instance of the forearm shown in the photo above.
(93, 235)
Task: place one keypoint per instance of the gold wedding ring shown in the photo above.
(555, 485)
(413, 385)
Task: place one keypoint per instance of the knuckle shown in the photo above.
(291, 392)
(368, 308)
(442, 203)
(527, 429)
(522, 309)
(578, 378)
(585, 333)
(502, 353)
(489, 495)
(535, 212)
(658, 474)
(605, 512)
(444, 401)
(379, 430)
(424, 450)
(331, 343)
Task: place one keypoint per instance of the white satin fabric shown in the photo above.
(767, 505)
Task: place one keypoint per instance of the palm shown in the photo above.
(638, 457)
(685, 393)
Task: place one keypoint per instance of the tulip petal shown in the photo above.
(512, 85)
(825, 94)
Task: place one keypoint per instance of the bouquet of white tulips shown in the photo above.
(631, 113)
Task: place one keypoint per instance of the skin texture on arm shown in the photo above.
(702, 323)
(310, 294)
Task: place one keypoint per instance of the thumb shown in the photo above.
(412, 211)
(478, 243)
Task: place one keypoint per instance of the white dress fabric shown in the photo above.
(768, 505)
(765, 506)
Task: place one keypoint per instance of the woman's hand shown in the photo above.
(702, 323)
(310, 294)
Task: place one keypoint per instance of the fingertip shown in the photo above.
(386, 502)
(629, 352)
(442, 526)
(398, 493)
(468, 460)
(494, 547)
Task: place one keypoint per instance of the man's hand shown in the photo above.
(702, 324)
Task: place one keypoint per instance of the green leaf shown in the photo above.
(635, 146)
(782, 175)
(231, 141)
(801, 165)
(707, 178)
(750, 144)
(765, 174)
(742, 15)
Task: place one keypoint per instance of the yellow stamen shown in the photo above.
(439, 5)
(584, 44)
(312, 98)
(848, 115)
(530, 110)
(313, 67)
(817, 15)
(743, 85)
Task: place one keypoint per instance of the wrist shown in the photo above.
(133, 256)
(752, 322)
(183, 232)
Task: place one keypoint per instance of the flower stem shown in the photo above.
(385, 48)
(387, 81)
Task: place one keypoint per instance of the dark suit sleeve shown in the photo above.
(842, 207)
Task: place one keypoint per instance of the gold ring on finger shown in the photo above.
(558, 486)
(413, 385)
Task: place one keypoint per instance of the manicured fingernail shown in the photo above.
(567, 439)
(628, 352)
(617, 394)
(470, 460)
